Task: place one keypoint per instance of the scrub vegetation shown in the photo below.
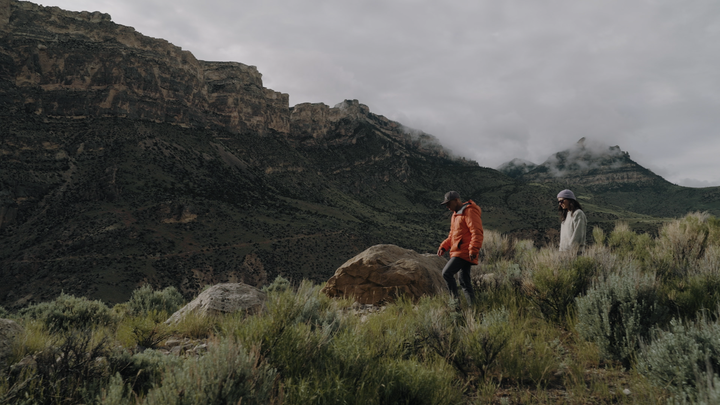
(633, 319)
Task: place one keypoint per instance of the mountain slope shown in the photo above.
(609, 178)
(124, 160)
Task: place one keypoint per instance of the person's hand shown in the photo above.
(441, 252)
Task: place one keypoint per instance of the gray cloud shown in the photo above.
(492, 80)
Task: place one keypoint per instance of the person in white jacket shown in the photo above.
(574, 222)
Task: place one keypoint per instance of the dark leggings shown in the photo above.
(454, 265)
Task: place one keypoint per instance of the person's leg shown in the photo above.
(451, 268)
(466, 282)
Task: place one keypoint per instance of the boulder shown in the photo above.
(383, 272)
(223, 298)
(8, 331)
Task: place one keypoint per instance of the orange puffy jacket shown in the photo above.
(466, 233)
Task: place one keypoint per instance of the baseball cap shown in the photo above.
(449, 196)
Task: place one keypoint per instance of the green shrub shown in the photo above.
(617, 311)
(482, 339)
(533, 353)
(69, 312)
(626, 243)
(142, 331)
(598, 236)
(225, 374)
(682, 357)
(4, 313)
(138, 372)
(686, 297)
(146, 300)
(72, 372)
(278, 285)
(554, 287)
(497, 247)
(682, 243)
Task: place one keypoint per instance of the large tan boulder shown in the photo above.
(223, 298)
(383, 272)
(8, 331)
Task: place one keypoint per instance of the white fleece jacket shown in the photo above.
(573, 230)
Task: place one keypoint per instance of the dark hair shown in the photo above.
(573, 205)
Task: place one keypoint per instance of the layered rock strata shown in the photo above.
(80, 64)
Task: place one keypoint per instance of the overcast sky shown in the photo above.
(492, 80)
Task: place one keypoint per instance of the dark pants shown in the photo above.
(454, 265)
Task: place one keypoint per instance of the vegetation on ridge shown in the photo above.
(632, 320)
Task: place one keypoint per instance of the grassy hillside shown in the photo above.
(98, 207)
(632, 320)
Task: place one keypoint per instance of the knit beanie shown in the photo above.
(566, 194)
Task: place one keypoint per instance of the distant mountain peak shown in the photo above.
(516, 167)
(588, 162)
(591, 163)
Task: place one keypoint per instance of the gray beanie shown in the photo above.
(566, 194)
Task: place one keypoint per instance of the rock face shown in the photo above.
(69, 64)
(8, 330)
(384, 272)
(318, 124)
(223, 298)
(57, 63)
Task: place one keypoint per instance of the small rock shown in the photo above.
(626, 391)
(172, 342)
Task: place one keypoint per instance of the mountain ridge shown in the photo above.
(121, 167)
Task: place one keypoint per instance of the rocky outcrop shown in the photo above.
(8, 331)
(516, 167)
(69, 64)
(223, 298)
(384, 272)
(592, 164)
(4, 13)
(316, 124)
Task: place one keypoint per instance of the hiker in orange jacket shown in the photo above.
(464, 243)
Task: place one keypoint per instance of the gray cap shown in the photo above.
(566, 194)
(449, 196)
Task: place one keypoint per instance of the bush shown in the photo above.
(278, 285)
(556, 283)
(683, 358)
(497, 247)
(68, 312)
(598, 236)
(142, 331)
(482, 340)
(617, 311)
(72, 372)
(686, 297)
(626, 243)
(146, 300)
(682, 243)
(225, 374)
(533, 353)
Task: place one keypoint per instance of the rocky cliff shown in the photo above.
(79, 64)
(58, 63)
(124, 160)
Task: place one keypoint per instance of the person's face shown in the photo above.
(453, 205)
(562, 203)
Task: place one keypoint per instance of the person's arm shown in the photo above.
(579, 228)
(445, 245)
(474, 223)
